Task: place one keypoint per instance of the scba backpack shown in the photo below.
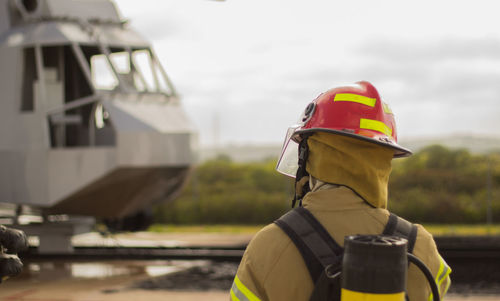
(323, 255)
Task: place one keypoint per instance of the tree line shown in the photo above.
(435, 185)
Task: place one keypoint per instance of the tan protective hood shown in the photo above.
(360, 165)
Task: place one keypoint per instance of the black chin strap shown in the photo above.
(302, 176)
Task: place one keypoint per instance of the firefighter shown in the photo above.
(340, 154)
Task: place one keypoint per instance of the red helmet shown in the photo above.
(355, 111)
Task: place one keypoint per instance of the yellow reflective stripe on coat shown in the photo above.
(368, 101)
(443, 273)
(348, 295)
(375, 125)
(448, 283)
(239, 292)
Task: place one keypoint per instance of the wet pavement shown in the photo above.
(37, 271)
(96, 281)
(210, 276)
(173, 280)
(146, 280)
(61, 280)
(153, 239)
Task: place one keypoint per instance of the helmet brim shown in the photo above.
(399, 151)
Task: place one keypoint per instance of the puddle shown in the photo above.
(170, 275)
(58, 269)
(138, 239)
(98, 270)
(210, 276)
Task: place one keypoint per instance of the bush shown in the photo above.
(224, 192)
(435, 185)
(438, 185)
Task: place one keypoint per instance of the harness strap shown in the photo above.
(400, 227)
(322, 255)
(316, 246)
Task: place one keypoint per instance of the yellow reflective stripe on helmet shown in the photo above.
(375, 125)
(443, 273)
(240, 292)
(386, 108)
(368, 101)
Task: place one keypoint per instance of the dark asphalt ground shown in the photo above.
(219, 276)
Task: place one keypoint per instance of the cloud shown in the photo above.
(158, 20)
(256, 65)
(431, 51)
(450, 71)
(434, 92)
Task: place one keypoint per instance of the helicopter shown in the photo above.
(90, 123)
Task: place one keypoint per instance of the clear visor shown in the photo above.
(288, 162)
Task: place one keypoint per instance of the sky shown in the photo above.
(246, 70)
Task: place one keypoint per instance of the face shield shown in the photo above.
(288, 161)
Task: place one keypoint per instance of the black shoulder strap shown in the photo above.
(319, 250)
(313, 241)
(400, 227)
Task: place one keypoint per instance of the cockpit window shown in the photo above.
(162, 82)
(143, 63)
(121, 61)
(139, 83)
(127, 71)
(136, 69)
(103, 76)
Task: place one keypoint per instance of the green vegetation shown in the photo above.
(438, 185)
(463, 230)
(224, 192)
(434, 186)
(438, 230)
(232, 229)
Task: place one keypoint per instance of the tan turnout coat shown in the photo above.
(273, 269)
